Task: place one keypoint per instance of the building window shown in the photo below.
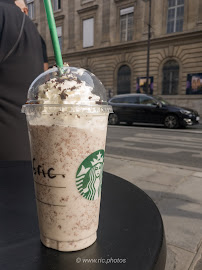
(56, 5)
(88, 33)
(123, 81)
(175, 16)
(170, 78)
(59, 32)
(30, 6)
(126, 24)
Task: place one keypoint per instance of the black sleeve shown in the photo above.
(1, 34)
(45, 57)
(10, 25)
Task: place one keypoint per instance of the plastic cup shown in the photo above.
(67, 145)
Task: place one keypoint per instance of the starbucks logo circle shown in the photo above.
(89, 176)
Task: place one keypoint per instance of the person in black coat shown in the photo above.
(22, 5)
(21, 61)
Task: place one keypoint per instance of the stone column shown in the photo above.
(105, 20)
(71, 23)
(199, 22)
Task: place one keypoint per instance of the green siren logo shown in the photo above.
(89, 176)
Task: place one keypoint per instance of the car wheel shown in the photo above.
(113, 119)
(129, 123)
(171, 121)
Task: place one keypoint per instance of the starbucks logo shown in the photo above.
(89, 176)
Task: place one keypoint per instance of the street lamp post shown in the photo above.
(148, 46)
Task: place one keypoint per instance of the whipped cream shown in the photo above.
(67, 89)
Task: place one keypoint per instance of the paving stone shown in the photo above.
(198, 265)
(197, 261)
(111, 163)
(128, 171)
(173, 170)
(163, 178)
(155, 191)
(197, 174)
(182, 221)
(178, 259)
(191, 189)
(177, 193)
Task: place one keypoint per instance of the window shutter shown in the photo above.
(88, 32)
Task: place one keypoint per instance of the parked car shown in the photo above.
(142, 108)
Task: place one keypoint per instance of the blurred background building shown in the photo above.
(110, 39)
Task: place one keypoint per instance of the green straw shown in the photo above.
(54, 36)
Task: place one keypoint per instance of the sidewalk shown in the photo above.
(177, 191)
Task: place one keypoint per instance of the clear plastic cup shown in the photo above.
(67, 145)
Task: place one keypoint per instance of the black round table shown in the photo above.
(130, 234)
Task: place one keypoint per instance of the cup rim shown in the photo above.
(69, 108)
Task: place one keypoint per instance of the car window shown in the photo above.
(126, 100)
(163, 101)
(117, 100)
(132, 100)
(144, 100)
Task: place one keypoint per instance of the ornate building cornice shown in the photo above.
(87, 9)
(59, 17)
(123, 1)
(139, 45)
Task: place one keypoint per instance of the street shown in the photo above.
(166, 164)
(177, 146)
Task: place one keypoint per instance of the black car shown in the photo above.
(142, 108)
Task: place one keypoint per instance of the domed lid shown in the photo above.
(76, 86)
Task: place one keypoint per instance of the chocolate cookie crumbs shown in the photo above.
(90, 97)
(78, 80)
(63, 95)
(60, 80)
(72, 88)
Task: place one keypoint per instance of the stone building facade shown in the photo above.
(110, 38)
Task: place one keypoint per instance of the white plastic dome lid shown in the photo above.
(76, 86)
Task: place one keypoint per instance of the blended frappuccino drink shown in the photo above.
(67, 121)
